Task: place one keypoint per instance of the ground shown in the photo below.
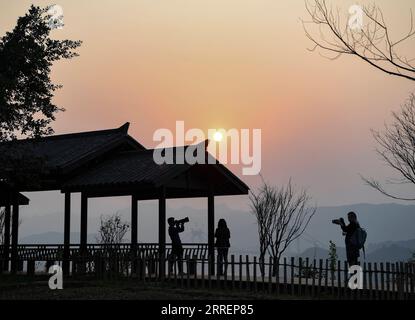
(22, 287)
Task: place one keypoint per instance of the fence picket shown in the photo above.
(292, 276)
(300, 270)
(255, 279)
(301, 277)
(369, 266)
(233, 271)
(320, 276)
(339, 280)
(375, 271)
(270, 275)
(382, 282)
(285, 276)
(388, 293)
(346, 282)
(240, 272)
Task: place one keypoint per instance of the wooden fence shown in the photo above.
(307, 278)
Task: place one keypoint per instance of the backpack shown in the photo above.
(358, 238)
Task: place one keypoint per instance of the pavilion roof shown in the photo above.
(66, 150)
(138, 168)
(6, 190)
(112, 159)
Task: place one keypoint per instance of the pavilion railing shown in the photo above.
(54, 252)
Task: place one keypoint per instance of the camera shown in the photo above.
(337, 221)
(184, 220)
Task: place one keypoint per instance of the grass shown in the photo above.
(22, 287)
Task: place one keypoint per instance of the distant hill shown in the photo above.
(54, 238)
(390, 251)
(386, 224)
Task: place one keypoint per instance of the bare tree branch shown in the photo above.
(372, 43)
(396, 147)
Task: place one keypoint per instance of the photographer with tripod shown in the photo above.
(176, 227)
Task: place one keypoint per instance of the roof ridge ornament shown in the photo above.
(124, 127)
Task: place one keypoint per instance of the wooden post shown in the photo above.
(339, 280)
(300, 270)
(369, 266)
(84, 224)
(346, 281)
(203, 272)
(247, 269)
(388, 294)
(382, 282)
(285, 276)
(254, 274)
(66, 233)
(134, 234)
(162, 230)
(233, 271)
(313, 274)
(320, 276)
(394, 282)
(307, 274)
(134, 222)
(240, 272)
(15, 234)
(376, 292)
(269, 275)
(292, 275)
(7, 217)
(211, 229)
(365, 283)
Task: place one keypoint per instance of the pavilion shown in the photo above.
(109, 163)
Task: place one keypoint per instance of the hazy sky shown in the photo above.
(231, 64)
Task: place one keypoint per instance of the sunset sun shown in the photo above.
(217, 136)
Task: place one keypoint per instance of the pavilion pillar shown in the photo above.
(162, 231)
(134, 221)
(15, 234)
(211, 230)
(84, 223)
(7, 217)
(66, 233)
(134, 232)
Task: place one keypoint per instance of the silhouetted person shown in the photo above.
(222, 235)
(176, 243)
(352, 251)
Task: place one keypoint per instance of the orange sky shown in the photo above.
(230, 64)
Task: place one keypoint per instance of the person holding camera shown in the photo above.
(175, 228)
(352, 249)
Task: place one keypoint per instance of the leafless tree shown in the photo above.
(371, 42)
(111, 232)
(396, 147)
(264, 204)
(112, 229)
(282, 215)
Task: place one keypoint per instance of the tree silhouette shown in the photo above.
(26, 90)
(283, 214)
(396, 147)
